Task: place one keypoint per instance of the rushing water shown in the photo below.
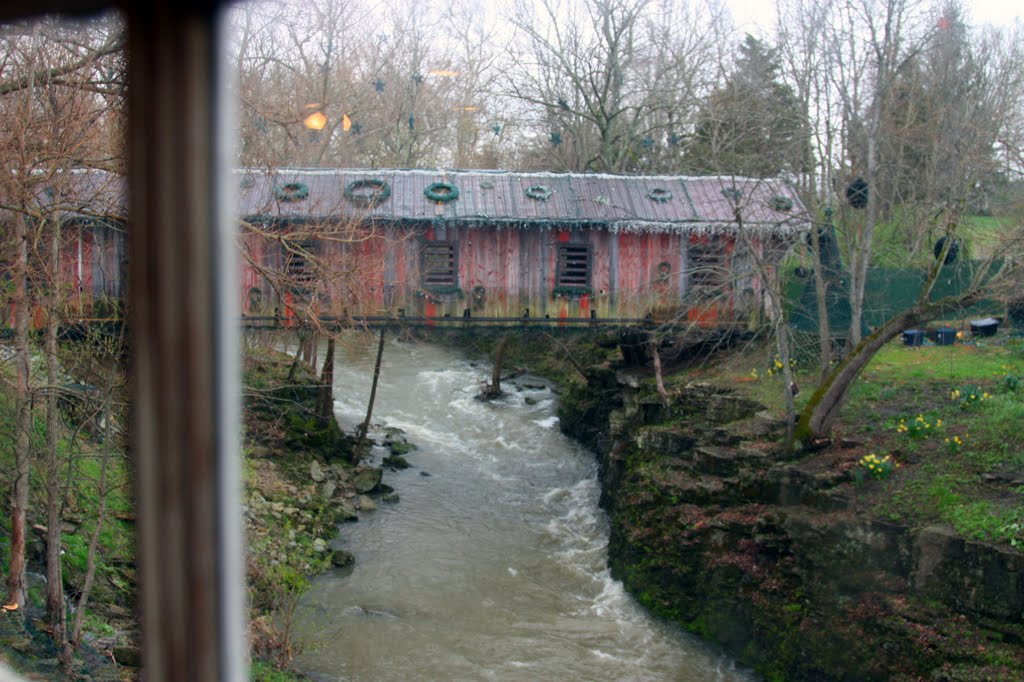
(493, 566)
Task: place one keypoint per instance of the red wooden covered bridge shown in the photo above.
(504, 245)
(491, 245)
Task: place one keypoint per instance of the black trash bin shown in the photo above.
(913, 337)
(984, 327)
(945, 336)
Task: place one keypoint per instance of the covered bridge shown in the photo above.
(490, 244)
(508, 244)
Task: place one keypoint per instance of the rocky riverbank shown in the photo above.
(715, 528)
(300, 484)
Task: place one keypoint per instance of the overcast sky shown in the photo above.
(758, 16)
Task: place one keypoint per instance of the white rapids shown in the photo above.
(493, 566)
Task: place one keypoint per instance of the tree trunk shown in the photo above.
(297, 360)
(493, 389)
(16, 587)
(55, 610)
(820, 295)
(325, 402)
(90, 560)
(823, 407)
(658, 379)
(358, 452)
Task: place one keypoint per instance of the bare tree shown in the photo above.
(822, 409)
(350, 84)
(611, 80)
(56, 86)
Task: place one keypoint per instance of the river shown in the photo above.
(493, 565)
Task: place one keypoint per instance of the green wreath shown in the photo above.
(539, 192)
(781, 203)
(441, 191)
(660, 194)
(292, 191)
(380, 191)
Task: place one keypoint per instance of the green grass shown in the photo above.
(264, 672)
(984, 233)
(968, 487)
(79, 455)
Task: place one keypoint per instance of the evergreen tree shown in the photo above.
(752, 125)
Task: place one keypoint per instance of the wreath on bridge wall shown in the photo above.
(379, 192)
(539, 192)
(292, 191)
(660, 194)
(441, 191)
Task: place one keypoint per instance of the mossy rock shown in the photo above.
(365, 479)
(400, 447)
(340, 558)
(396, 462)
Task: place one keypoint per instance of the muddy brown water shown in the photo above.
(494, 564)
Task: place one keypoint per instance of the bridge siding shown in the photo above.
(516, 268)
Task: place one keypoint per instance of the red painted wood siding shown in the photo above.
(501, 273)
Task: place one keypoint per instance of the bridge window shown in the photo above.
(707, 264)
(299, 260)
(573, 265)
(440, 266)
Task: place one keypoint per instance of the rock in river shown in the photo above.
(341, 558)
(366, 479)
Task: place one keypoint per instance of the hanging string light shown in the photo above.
(315, 121)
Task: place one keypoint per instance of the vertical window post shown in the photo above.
(183, 321)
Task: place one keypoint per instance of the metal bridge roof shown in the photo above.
(633, 203)
(639, 203)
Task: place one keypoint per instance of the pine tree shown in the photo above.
(753, 124)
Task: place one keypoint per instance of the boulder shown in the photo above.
(400, 447)
(341, 558)
(346, 511)
(366, 504)
(328, 489)
(396, 462)
(261, 451)
(316, 472)
(365, 479)
(128, 655)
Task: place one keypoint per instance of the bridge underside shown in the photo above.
(333, 324)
